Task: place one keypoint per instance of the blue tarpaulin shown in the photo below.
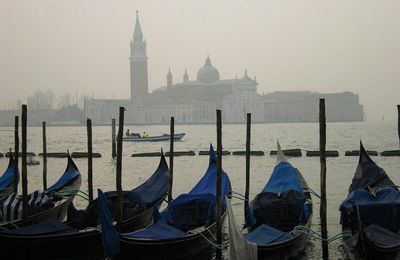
(109, 236)
(279, 205)
(368, 173)
(158, 231)
(381, 208)
(154, 188)
(265, 234)
(283, 178)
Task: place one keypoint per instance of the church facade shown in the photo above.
(195, 100)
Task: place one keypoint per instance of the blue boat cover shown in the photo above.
(191, 210)
(154, 188)
(70, 174)
(368, 173)
(47, 227)
(109, 236)
(281, 202)
(382, 209)
(207, 184)
(7, 179)
(249, 218)
(283, 178)
(158, 231)
(265, 234)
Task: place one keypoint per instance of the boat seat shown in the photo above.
(265, 234)
(281, 212)
(193, 214)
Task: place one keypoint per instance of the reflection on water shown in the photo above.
(188, 169)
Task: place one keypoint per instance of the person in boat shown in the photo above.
(144, 135)
(127, 132)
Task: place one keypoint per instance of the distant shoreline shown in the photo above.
(49, 124)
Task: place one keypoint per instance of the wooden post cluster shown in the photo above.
(119, 168)
(322, 147)
(398, 122)
(44, 155)
(171, 157)
(218, 253)
(90, 158)
(113, 148)
(16, 153)
(24, 170)
(248, 135)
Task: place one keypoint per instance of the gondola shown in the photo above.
(181, 231)
(7, 180)
(273, 215)
(51, 203)
(79, 237)
(370, 215)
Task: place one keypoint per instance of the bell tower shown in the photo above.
(138, 63)
(169, 78)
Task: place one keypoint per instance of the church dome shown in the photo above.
(208, 73)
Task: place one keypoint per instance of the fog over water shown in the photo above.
(82, 47)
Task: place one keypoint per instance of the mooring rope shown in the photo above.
(237, 193)
(313, 192)
(315, 235)
(221, 246)
(69, 193)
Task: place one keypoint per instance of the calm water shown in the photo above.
(378, 136)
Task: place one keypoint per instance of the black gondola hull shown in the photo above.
(370, 250)
(78, 245)
(286, 249)
(194, 246)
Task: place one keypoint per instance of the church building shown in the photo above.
(195, 100)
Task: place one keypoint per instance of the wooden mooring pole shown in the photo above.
(322, 147)
(218, 253)
(24, 170)
(248, 135)
(398, 122)
(44, 155)
(119, 168)
(16, 153)
(113, 148)
(90, 158)
(171, 158)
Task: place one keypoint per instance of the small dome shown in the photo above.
(208, 73)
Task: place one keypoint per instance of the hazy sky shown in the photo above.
(82, 46)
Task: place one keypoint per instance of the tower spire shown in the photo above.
(138, 62)
(169, 78)
(137, 34)
(185, 76)
(208, 60)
